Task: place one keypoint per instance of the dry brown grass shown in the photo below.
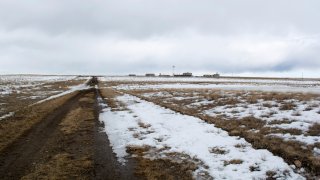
(287, 106)
(314, 130)
(175, 166)
(290, 151)
(283, 121)
(72, 123)
(62, 166)
(74, 157)
(109, 95)
(21, 97)
(233, 161)
(24, 119)
(218, 150)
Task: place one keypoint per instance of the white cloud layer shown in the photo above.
(137, 36)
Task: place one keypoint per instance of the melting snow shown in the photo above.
(7, 115)
(71, 90)
(189, 135)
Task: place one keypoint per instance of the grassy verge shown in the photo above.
(73, 157)
(25, 118)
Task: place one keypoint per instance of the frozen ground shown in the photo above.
(302, 113)
(224, 157)
(275, 85)
(234, 86)
(71, 89)
(18, 91)
(211, 80)
(279, 111)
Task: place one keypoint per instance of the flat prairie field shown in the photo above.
(229, 127)
(117, 127)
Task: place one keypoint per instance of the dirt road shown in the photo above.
(66, 144)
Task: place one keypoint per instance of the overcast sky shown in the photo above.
(246, 37)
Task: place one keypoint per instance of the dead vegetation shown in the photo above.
(15, 126)
(109, 96)
(314, 130)
(173, 166)
(71, 150)
(150, 165)
(287, 106)
(23, 96)
(252, 129)
(62, 166)
(218, 150)
(233, 161)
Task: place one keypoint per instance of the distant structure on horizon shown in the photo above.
(186, 74)
(216, 75)
(132, 75)
(150, 75)
(164, 75)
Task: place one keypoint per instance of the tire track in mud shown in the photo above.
(17, 158)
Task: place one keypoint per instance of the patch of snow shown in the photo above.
(71, 90)
(245, 87)
(316, 151)
(7, 115)
(188, 135)
(211, 80)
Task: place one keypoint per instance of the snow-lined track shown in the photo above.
(226, 157)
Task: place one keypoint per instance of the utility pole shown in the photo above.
(173, 69)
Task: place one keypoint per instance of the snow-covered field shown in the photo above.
(211, 80)
(224, 156)
(17, 91)
(276, 85)
(291, 112)
(285, 109)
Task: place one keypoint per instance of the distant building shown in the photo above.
(212, 76)
(150, 75)
(164, 75)
(132, 75)
(217, 75)
(186, 74)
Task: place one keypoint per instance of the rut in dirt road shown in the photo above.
(19, 156)
(66, 144)
(106, 163)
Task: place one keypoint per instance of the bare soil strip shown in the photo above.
(18, 157)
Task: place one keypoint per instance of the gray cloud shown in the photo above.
(123, 36)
